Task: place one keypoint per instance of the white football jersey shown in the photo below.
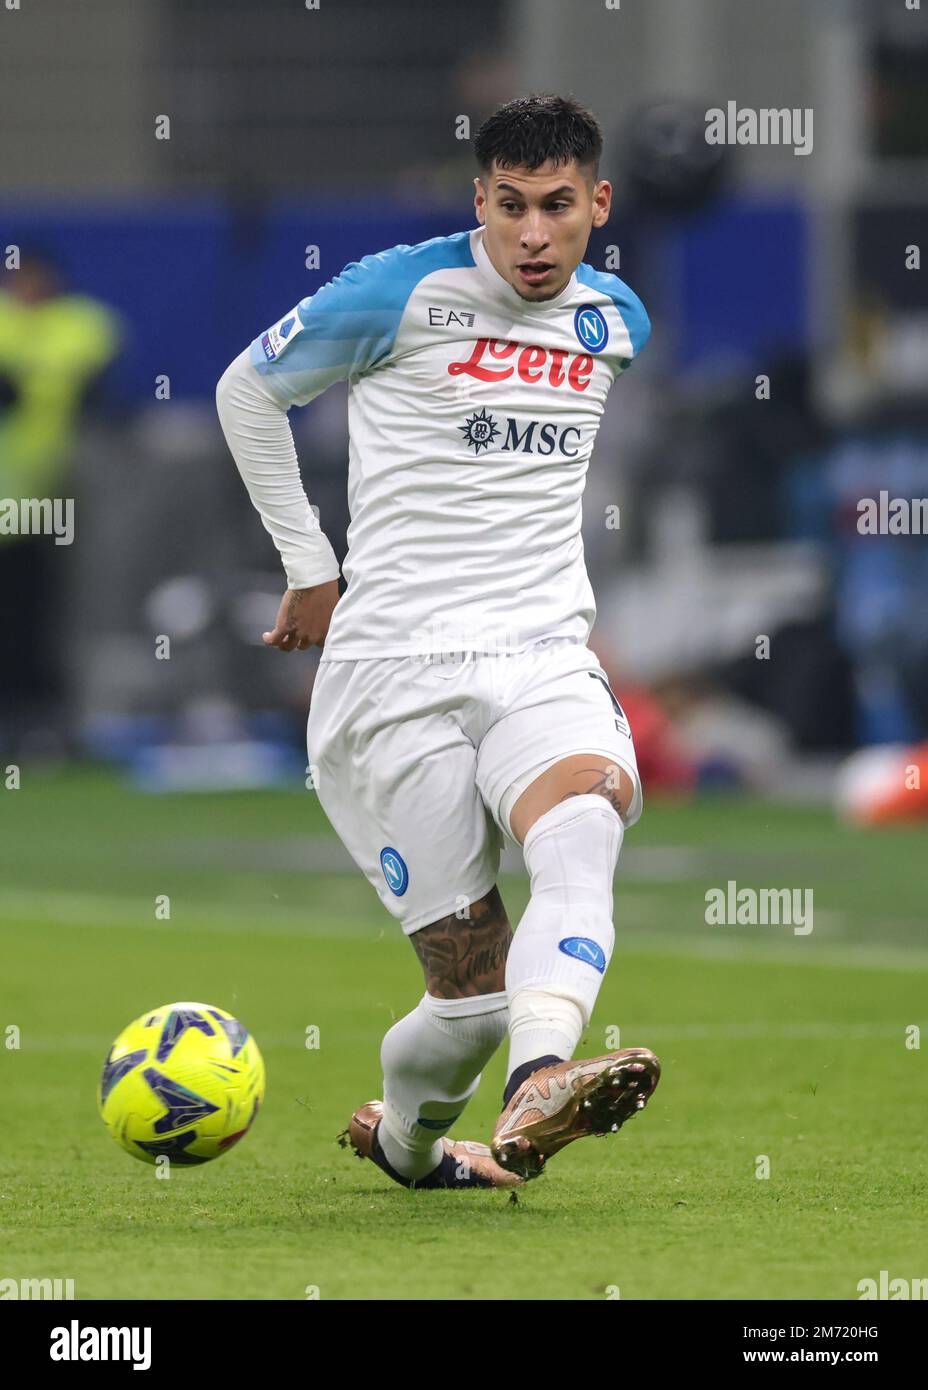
(472, 415)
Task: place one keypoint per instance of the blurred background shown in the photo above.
(169, 166)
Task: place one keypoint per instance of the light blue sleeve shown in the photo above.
(349, 325)
(629, 306)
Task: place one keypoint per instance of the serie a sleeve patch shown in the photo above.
(279, 336)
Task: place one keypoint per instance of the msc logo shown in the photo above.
(481, 430)
(394, 871)
(532, 364)
(590, 328)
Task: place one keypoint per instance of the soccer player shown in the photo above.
(456, 698)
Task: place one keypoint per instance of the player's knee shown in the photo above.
(466, 955)
(571, 777)
(573, 849)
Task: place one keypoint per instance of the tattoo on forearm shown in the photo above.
(463, 957)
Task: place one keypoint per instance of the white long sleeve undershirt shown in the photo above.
(258, 434)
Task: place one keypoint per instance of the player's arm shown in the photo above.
(341, 331)
(635, 318)
(258, 433)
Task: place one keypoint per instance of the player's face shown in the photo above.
(538, 223)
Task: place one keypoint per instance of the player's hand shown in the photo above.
(303, 618)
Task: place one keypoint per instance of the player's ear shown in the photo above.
(602, 202)
(480, 198)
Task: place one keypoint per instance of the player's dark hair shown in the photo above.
(529, 131)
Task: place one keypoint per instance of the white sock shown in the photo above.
(432, 1060)
(542, 1024)
(564, 940)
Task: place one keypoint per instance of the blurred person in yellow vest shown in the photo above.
(54, 344)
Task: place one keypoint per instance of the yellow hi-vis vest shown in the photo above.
(50, 352)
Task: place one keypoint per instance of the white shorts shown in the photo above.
(418, 761)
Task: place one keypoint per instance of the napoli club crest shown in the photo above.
(590, 327)
(394, 871)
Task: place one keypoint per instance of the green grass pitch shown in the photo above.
(772, 1044)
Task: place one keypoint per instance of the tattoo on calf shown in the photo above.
(464, 957)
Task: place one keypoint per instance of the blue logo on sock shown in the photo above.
(394, 871)
(582, 948)
(436, 1124)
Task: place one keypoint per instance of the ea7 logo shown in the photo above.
(444, 318)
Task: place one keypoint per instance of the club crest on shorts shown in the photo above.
(394, 871)
(582, 948)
